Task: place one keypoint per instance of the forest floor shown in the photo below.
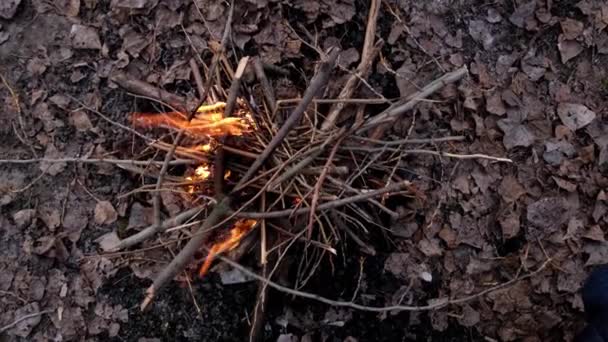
(536, 93)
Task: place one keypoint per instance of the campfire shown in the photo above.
(281, 171)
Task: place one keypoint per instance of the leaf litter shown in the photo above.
(539, 101)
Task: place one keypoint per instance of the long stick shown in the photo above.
(220, 155)
(318, 81)
(398, 109)
(95, 161)
(438, 304)
(143, 88)
(328, 205)
(367, 57)
(185, 255)
(151, 230)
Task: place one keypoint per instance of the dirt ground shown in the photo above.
(536, 94)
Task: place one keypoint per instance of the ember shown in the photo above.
(229, 242)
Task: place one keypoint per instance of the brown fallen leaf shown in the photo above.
(564, 184)
(595, 233)
(548, 215)
(510, 225)
(8, 8)
(80, 120)
(85, 37)
(574, 115)
(571, 28)
(495, 105)
(105, 213)
(515, 134)
(523, 16)
(568, 49)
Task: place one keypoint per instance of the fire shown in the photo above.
(201, 173)
(230, 242)
(209, 121)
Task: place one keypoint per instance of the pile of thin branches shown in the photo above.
(309, 175)
(300, 173)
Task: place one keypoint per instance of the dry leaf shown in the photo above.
(8, 8)
(105, 213)
(85, 37)
(80, 120)
(568, 49)
(575, 116)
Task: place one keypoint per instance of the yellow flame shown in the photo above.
(230, 242)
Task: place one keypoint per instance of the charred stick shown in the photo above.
(328, 205)
(338, 220)
(181, 260)
(317, 83)
(143, 88)
(200, 87)
(319, 184)
(220, 156)
(395, 111)
(266, 87)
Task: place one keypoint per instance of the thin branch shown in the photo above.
(411, 141)
(151, 230)
(437, 304)
(392, 213)
(258, 67)
(134, 85)
(318, 81)
(328, 205)
(319, 184)
(220, 155)
(435, 153)
(368, 54)
(23, 318)
(398, 109)
(95, 161)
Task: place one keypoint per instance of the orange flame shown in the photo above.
(201, 173)
(209, 121)
(235, 235)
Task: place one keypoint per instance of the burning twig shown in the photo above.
(223, 207)
(169, 155)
